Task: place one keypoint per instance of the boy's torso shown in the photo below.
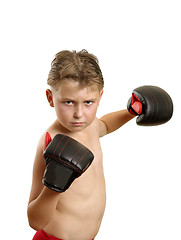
(80, 209)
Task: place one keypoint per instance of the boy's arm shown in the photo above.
(112, 121)
(42, 201)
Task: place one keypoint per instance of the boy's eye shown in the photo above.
(88, 102)
(69, 102)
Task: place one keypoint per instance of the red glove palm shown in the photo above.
(134, 105)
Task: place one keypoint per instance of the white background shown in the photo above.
(137, 43)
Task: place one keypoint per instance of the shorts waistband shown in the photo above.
(42, 235)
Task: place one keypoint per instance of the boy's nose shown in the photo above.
(78, 113)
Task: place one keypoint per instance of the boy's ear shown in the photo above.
(49, 97)
(101, 95)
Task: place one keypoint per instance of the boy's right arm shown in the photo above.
(66, 159)
(42, 201)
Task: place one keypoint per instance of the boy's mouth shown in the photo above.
(77, 124)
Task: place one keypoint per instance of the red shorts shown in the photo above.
(42, 235)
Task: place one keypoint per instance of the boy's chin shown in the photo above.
(75, 128)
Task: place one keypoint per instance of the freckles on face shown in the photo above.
(75, 106)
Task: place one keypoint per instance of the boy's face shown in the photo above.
(75, 106)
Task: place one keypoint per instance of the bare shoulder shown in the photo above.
(38, 170)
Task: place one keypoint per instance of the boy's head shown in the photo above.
(81, 67)
(76, 88)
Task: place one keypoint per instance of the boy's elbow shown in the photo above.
(36, 225)
(33, 226)
(35, 222)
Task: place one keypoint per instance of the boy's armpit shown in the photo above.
(102, 128)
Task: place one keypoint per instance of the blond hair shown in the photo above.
(82, 67)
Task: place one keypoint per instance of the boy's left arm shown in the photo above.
(113, 121)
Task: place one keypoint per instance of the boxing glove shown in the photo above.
(66, 159)
(152, 104)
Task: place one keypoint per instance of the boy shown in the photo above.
(76, 87)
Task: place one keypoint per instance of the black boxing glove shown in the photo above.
(153, 105)
(66, 159)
